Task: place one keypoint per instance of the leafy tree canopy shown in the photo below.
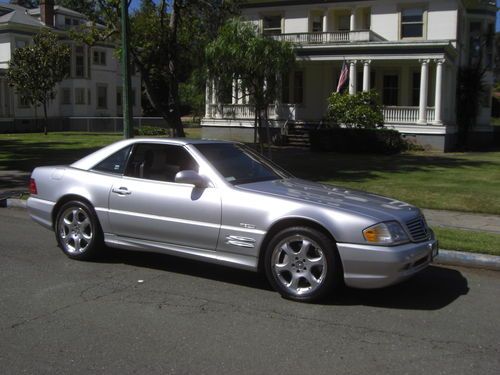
(35, 70)
(241, 52)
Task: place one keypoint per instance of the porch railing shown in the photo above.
(329, 37)
(405, 115)
(247, 111)
(392, 114)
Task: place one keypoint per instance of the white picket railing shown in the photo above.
(246, 111)
(329, 37)
(392, 114)
(405, 115)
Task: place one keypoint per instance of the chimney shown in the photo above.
(47, 12)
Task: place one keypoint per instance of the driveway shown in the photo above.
(148, 313)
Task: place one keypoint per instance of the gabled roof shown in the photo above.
(58, 10)
(17, 14)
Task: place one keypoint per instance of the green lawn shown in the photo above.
(469, 241)
(454, 181)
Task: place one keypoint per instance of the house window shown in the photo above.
(67, 21)
(102, 96)
(21, 43)
(23, 102)
(119, 96)
(415, 89)
(65, 96)
(285, 88)
(390, 90)
(412, 22)
(79, 96)
(317, 24)
(99, 57)
(75, 22)
(271, 25)
(79, 62)
(344, 22)
(89, 97)
(298, 87)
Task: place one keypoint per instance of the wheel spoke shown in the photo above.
(304, 248)
(281, 267)
(287, 249)
(77, 244)
(294, 283)
(311, 279)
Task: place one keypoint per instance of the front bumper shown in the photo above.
(367, 266)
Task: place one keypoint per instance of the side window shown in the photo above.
(159, 162)
(114, 163)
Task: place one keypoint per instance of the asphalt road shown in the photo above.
(149, 313)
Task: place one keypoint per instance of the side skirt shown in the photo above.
(228, 259)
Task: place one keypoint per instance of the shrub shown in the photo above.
(360, 110)
(150, 130)
(355, 140)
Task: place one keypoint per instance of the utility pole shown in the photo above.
(128, 125)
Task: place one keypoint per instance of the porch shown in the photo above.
(281, 113)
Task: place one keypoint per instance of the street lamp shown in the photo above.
(128, 126)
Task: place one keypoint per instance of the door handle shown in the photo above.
(121, 191)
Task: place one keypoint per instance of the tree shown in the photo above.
(167, 41)
(360, 110)
(35, 70)
(258, 61)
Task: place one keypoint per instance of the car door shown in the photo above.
(146, 203)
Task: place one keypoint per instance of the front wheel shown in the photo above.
(302, 264)
(78, 232)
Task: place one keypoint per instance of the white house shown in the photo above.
(407, 50)
(90, 98)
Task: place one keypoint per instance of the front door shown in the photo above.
(146, 203)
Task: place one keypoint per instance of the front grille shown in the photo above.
(418, 229)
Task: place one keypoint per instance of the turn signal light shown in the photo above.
(33, 190)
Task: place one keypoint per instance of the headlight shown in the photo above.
(389, 233)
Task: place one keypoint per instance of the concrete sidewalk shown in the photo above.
(463, 220)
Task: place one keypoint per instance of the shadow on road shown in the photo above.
(433, 289)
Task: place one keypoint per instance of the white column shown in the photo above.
(366, 75)
(424, 81)
(214, 92)
(438, 106)
(352, 77)
(240, 91)
(353, 19)
(208, 99)
(325, 21)
(234, 99)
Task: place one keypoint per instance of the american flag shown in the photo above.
(344, 74)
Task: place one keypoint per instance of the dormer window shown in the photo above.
(412, 22)
(271, 25)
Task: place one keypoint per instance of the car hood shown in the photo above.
(340, 198)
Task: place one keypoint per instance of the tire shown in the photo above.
(78, 231)
(303, 264)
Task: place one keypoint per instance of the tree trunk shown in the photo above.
(255, 125)
(268, 135)
(45, 119)
(261, 143)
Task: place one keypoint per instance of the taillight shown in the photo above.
(33, 186)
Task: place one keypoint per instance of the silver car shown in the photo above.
(221, 202)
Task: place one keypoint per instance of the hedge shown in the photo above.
(380, 141)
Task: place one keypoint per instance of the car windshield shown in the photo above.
(239, 164)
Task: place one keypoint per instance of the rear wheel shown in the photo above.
(303, 264)
(78, 232)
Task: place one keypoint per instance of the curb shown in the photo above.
(474, 260)
(445, 257)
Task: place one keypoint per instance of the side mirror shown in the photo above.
(192, 178)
